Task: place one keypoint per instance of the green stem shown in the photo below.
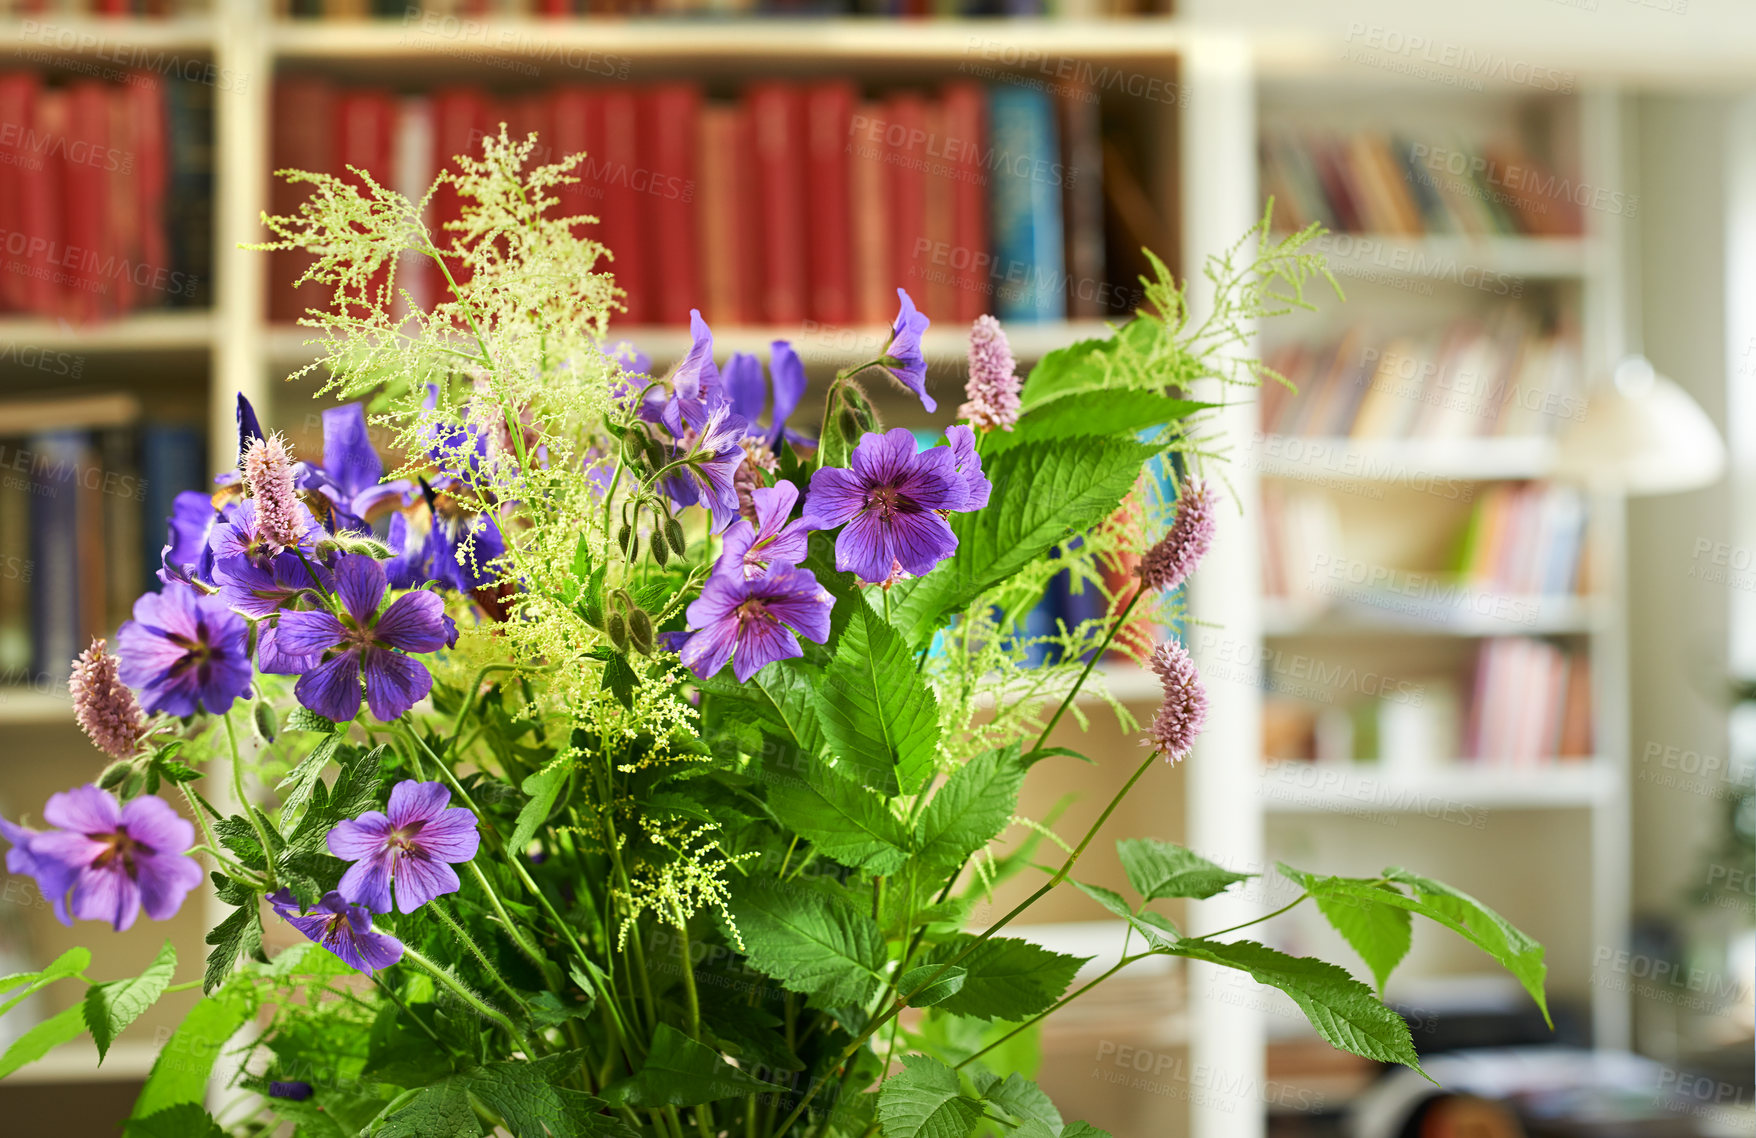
(475, 950)
(244, 803)
(689, 977)
(1059, 1004)
(517, 937)
(1258, 920)
(475, 1002)
(1121, 619)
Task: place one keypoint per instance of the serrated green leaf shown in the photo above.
(1158, 931)
(1343, 1010)
(441, 1110)
(680, 1071)
(620, 679)
(1083, 1130)
(302, 777)
(544, 787)
(931, 984)
(304, 719)
(187, 1120)
(1022, 1099)
(185, 1062)
(530, 1098)
(1482, 927)
(789, 690)
(971, 809)
(1065, 370)
(1123, 411)
(1007, 978)
(110, 1008)
(1042, 492)
(1158, 870)
(43, 1038)
(877, 713)
(843, 819)
(810, 941)
(1381, 933)
(926, 1101)
(238, 935)
(69, 963)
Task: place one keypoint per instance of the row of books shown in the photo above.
(402, 9)
(1527, 703)
(105, 194)
(797, 201)
(82, 521)
(147, 8)
(1525, 539)
(1372, 182)
(1499, 376)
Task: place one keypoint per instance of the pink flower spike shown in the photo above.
(268, 476)
(103, 705)
(1180, 720)
(1170, 562)
(993, 385)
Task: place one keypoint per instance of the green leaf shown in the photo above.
(971, 809)
(1368, 919)
(304, 776)
(620, 679)
(1123, 411)
(544, 787)
(680, 1071)
(878, 714)
(789, 689)
(1482, 927)
(441, 1110)
(1162, 869)
(843, 819)
(1022, 1099)
(1042, 492)
(181, 1071)
(110, 1008)
(1066, 370)
(1008, 978)
(926, 1101)
(530, 1098)
(304, 719)
(187, 1120)
(43, 1038)
(810, 941)
(239, 934)
(69, 963)
(1343, 1010)
(946, 982)
(1158, 931)
(1083, 1130)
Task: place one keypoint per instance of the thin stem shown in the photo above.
(517, 937)
(475, 950)
(244, 803)
(1059, 1004)
(1258, 920)
(476, 1003)
(689, 977)
(1120, 620)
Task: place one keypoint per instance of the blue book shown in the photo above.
(173, 458)
(56, 620)
(1025, 179)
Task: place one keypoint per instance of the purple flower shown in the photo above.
(1169, 563)
(333, 655)
(1184, 712)
(410, 843)
(258, 591)
(752, 621)
(450, 564)
(969, 467)
(241, 536)
(351, 477)
(115, 859)
(890, 501)
(695, 385)
(343, 928)
(771, 539)
(187, 556)
(103, 706)
(184, 651)
(711, 458)
(292, 1089)
(993, 378)
(748, 392)
(903, 357)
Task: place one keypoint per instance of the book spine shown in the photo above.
(1026, 206)
(966, 130)
(905, 178)
(777, 121)
(55, 553)
(829, 113)
(618, 175)
(672, 126)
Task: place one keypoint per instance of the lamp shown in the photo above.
(1642, 434)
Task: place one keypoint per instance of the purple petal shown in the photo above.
(419, 880)
(836, 495)
(192, 518)
(304, 635)
(360, 583)
(412, 802)
(794, 596)
(360, 837)
(774, 505)
(348, 454)
(332, 689)
(164, 880)
(248, 427)
(884, 459)
(452, 836)
(394, 683)
(920, 541)
(863, 548)
(719, 596)
(106, 895)
(371, 950)
(968, 465)
(273, 660)
(414, 622)
(707, 651)
(787, 374)
(154, 823)
(696, 378)
(931, 482)
(84, 810)
(367, 882)
(905, 349)
(744, 385)
(762, 643)
(735, 546)
(791, 546)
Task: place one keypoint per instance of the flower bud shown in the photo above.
(267, 726)
(618, 630)
(640, 627)
(633, 449)
(661, 550)
(623, 537)
(114, 774)
(674, 535)
(655, 453)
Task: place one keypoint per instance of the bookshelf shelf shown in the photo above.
(29, 706)
(111, 43)
(1307, 788)
(1528, 616)
(191, 331)
(78, 1063)
(1324, 460)
(1356, 255)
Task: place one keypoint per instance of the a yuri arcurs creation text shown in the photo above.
(635, 749)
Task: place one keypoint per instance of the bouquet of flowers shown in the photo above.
(633, 757)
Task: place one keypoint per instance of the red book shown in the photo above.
(905, 136)
(460, 119)
(777, 122)
(139, 183)
(526, 115)
(829, 116)
(874, 300)
(18, 93)
(966, 141)
(365, 128)
(304, 139)
(724, 213)
(85, 194)
(672, 124)
(571, 111)
(619, 174)
(42, 216)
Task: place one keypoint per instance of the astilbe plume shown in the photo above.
(103, 705)
(1170, 562)
(993, 378)
(268, 476)
(1184, 713)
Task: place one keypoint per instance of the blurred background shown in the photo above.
(1486, 607)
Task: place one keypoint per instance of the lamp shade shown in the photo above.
(1642, 434)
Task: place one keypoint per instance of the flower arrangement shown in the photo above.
(633, 756)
